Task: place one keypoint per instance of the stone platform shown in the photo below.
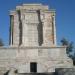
(59, 71)
(46, 58)
(37, 74)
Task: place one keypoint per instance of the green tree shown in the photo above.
(70, 50)
(64, 42)
(69, 46)
(1, 42)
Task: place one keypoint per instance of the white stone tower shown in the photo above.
(33, 25)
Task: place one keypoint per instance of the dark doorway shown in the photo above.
(33, 67)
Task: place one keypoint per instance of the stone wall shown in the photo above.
(47, 58)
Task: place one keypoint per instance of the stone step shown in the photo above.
(36, 74)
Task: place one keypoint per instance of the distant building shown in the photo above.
(33, 42)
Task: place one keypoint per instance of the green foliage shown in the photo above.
(69, 45)
(64, 42)
(1, 42)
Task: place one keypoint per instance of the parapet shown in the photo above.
(32, 7)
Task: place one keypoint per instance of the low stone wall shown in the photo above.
(59, 71)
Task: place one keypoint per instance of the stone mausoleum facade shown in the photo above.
(32, 42)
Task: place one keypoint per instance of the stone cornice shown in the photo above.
(34, 47)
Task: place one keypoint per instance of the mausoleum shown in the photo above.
(32, 43)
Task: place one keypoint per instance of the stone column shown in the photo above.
(11, 30)
(48, 29)
(54, 29)
(24, 37)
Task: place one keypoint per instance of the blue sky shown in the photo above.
(65, 17)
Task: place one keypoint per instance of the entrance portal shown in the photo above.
(33, 67)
